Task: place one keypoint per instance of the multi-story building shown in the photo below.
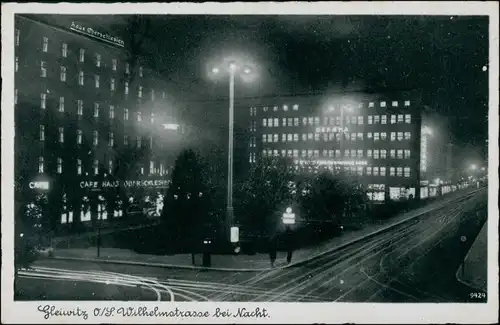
(93, 137)
(373, 137)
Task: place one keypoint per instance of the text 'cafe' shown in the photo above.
(97, 185)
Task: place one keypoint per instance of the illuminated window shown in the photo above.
(110, 166)
(151, 167)
(347, 120)
(407, 103)
(45, 45)
(347, 136)
(80, 107)
(295, 121)
(139, 92)
(400, 154)
(399, 171)
(97, 81)
(78, 166)
(139, 117)
(392, 171)
(125, 140)
(375, 171)
(393, 119)
(393, 136)
(59, 165)
(382, 171)
(296, 153)
(353, 137)
(79, 136)
(383, 104)
(376, 154)
(275, 137)
(95, 136)
(283, 121)
(283, 137)
(295, 107)
(371, 104)
(81, 78)
(43, 69)
(125, 114)
(283, 152)
(17, 64)
(393, 153)
(383, 154)
(400, 118)
(394, 104)
(127, 68)
(141, 71)
(96, 109)
(98, 60)
(82, 55)
(360, 171)
(16, 94)
(360, 136)
(138, 141)
(408, 118)
(153, 95)
(376, 119)
(111, 141)
(61, 135)
(40, 165)
(369, 135)
(18, 33)
(290, 121)
(354, 120)
(360, 153)
(337, 153)
(360, 120)
(407, 154)
(369, 153)
(407, 135)
(126, 87)
(265, 108)
(112, 85)
(304, 136)
(276, 122)
(285, 108)
(407, 172)
(42, 133)
(346, 153)
(275, 108)
(400, 136)
(384, 119)
(63, 74)
(96, 167)
(368, 171)
(316, 121)
(376, 136)
(337, 120)
(114, 64)
(295, 137)
(64, 50)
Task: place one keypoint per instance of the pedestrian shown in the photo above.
(273, 249)
(289, 244)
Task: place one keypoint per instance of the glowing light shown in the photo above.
(485, 68)
(247, 70)
(232, 65)
(171, 126)
(473, 167)
(235, 234)
(288, 210)
(215, 70)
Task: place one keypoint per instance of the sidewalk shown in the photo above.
(257, 262)
(475, 267)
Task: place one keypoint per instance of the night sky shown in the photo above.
(442, 55)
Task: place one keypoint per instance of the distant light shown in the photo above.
(171, 126)
(215, 70)
(232, 65)
(485, 68)
(484, 168)
(473, 167)
(21, 235)
(247, 70)
(288, 210)
(437, 181)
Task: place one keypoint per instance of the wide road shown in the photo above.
(414, 262)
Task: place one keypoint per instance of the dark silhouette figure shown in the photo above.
(273, 248)
(289, 244)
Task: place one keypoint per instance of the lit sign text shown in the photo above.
(96, 34)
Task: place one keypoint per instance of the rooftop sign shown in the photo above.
(88, 31)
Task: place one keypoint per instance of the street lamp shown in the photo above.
(233, 69)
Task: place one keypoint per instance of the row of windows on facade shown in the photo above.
(331, 108)
(95, 138)
(349, 153)
(294, 137)
(153, 169)
(96, 111)
(336, 121)
(64, 54)
(97, 80)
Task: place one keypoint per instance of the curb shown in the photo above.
(298, 263)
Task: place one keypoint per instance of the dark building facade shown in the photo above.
(94, 135)
(374, 138)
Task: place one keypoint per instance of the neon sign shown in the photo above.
(96, 185)
(97, 34)
(39, 185)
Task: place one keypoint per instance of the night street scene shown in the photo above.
(251, 158)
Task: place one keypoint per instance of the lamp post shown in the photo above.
(233, 69)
